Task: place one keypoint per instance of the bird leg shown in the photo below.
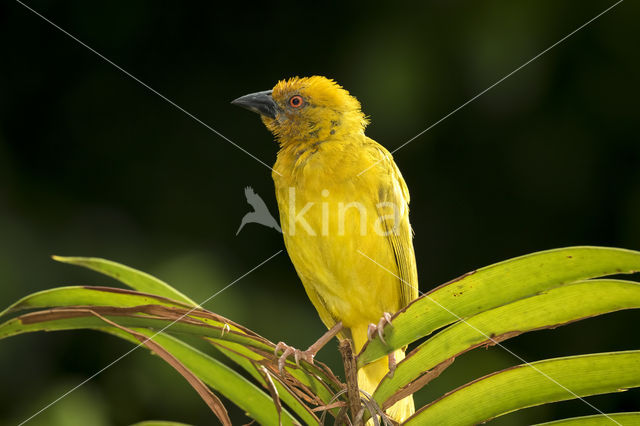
(379, 329)
(307, 355)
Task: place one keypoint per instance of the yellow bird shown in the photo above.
(344, 215)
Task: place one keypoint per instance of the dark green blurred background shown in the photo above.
(94, 164)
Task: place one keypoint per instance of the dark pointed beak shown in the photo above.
(260, 102)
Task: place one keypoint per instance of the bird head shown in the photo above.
(306, 109)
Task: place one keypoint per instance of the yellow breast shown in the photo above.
(329, 218)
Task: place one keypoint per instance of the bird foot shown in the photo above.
(310, 353)
(379, 329)
(298, 355)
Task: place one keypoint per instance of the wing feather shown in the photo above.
(399, 233)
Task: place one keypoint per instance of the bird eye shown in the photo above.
(296, 101)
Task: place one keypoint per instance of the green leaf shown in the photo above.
(206, 394)
(78, 317)
(626, 419)
(211, 371)
(137, 310)
(131, 314)
(133, 278)
(533, 384)
(89, 296)
(549, 309)
(158, 423)
(497, 285)
(223, 379)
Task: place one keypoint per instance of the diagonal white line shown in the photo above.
(498, 82)
(495, 342)
(147, 86)
(149, 338)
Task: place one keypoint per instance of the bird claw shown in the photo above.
(287, 351)
(225, 329)
(373, 329)
(392, 364)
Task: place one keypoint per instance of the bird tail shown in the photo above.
(370, 376)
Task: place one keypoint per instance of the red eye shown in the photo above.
(296, 101)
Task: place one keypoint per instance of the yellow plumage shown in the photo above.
(332, 215)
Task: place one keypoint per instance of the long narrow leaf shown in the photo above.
(211, 371)
(146, 283)
(70, 318)
(497, 285)
(229, 383)
(625, 419)
(73, 317)
(151, 342)
(550, 309)
(533, 384)
(90, 296)
(134, 278)
(141, 309)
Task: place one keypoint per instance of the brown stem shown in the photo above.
(351, 377)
